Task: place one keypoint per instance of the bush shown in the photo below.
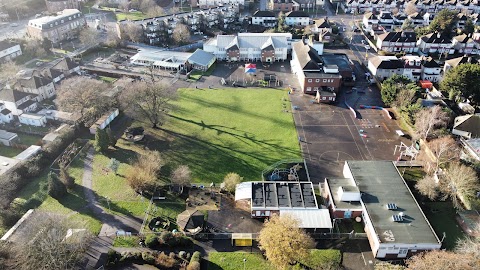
(167, 238)
(56, 188)
(193, 266)
(151, 240)
(195, 257)
(165, 261)
(113, 257)
(148, 257)
(323, 259)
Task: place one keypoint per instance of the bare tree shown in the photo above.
(144, 172)
(427, 187)
(132, 31)
(460, 184)
(181, 34)
(444, 149)
(411, 8)
(9, 70)
(84, 96)
(146, 5)
(89, 36)
(113, 40)
(440, 259)
(124, 4)
(429, 119)
(148, 101)
(33, 47)
(283, 241)
(155, 11)
(51, 244)
(470, 245)
(181, 175)
(404, 97)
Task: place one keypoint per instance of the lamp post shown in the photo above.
(244, 263)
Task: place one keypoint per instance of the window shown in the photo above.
(324, 80)
(309, 80)
(317, 80)
(309, 89)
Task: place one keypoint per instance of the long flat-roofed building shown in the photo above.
(394, 222)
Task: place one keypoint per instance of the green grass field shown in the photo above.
(215, 132)
(234, 261)
(137, 15)
(8, 151)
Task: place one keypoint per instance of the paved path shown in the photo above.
(96, 254)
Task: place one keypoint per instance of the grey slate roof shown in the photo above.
(386, 62)
(436, 38)
(468, 123)
(200, 57)
(307, 56)
(254, 41)
(5, 135)
(296, 13)
(263, 13)
(12, 95)
(398, 37)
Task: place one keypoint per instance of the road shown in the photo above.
(15, 29)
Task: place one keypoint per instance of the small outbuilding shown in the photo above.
(8, 138)
(201, 60)
(29, 152)
(104, 121)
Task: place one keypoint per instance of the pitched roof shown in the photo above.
(34, 82)
(11, 95)
(398, 36)
(436, 38)
(65, 64)
(469, 123)
(430, 63)
(5, 44)
(461, 60)
(201, 57)
(386, 62)
(463, 38)
(248, 40)
(51, 73)
(296, 13)
(322, 23)
(263, 13)
(307, 56)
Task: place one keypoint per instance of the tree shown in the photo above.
(114, 165)
(84, 96)
(460, 184)
(442, 260)
(101, 140)
(144, 172)
(231, 181)
(462, 80)
(56, 188)
(148, 101)
(421, 31)
(47, 45)
(89, 37)
(427, 187)
(113, 40)
(470, 245)
(445, 150)
(181, 175)
(155, 11)
(131, 31)
(393, 85)
(9, 70)
(408, 25)
(181, 34)
(49, 246)
(33, 48)
(146, 5)
(65, 177)
(283, 241)
(429, 119)
(112, 141)
(411, 8)
(444, 22)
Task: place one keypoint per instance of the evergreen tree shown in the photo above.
(56, 188)
(101, 140)
(66, 179)
(112, 141)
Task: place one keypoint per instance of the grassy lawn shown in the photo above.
(196, 75)
(28, 139)
(215, 132)
(107, 79)
(323, 259)
(234, 261)
(8, 151)
(137, 15)
(126, 241)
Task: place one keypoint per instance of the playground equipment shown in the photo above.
(291, 173)
(409, 151)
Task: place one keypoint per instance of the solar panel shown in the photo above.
(397, 218)
(391, 206)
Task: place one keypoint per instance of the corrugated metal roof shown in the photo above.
(311, 218)
(243, 191)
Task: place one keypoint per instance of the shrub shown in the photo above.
(148, 257)
(165, 261)
(151, 240)
(113, 257)
(183, 241)
(195, 257)
(193, 266)
(56, 188)
(167, 238)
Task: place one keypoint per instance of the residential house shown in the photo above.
(397, 42)
(280, 5)
(395, 225)
(464, 44)
(63, 26)
(31, 119)
(321, 25)
(297, 18)
(431, 70)
(417, 19)
(449, 64)
(53, 74)
(467, 126)
(311, 72)
(67, 66)
(9, 51)
(218, 3)
(41, 86)
(8, 138)
(370, 21)
(412, 67)
(304, 5)
(54, 6)
(383, 67)
(385, 19)
(461, 20)
(18, 102)
(6, 115)
(435, 43)
(264, 47)
(104, 121)
(264, 18)
(201, 60)
(399, 19)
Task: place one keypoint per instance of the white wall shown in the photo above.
(27, 119)
(297, 21)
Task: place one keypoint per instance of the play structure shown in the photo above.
(280, 174)
(408, 151)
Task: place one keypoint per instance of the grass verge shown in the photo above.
(235, 261)
(126, 241)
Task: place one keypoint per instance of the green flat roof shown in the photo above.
(380, 184)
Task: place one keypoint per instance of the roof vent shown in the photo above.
(391, 206)
(397, 218)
